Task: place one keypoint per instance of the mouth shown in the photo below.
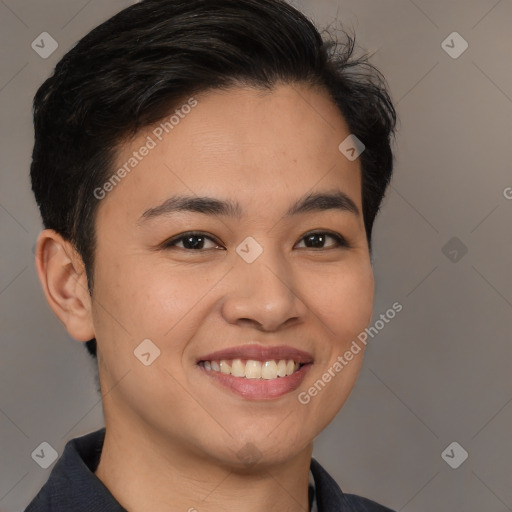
(253, 369)
(257, 372)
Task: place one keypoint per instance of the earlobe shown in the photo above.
(62, 274)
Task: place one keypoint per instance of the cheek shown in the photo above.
(148, 300)
(344, 300)
(344, 304)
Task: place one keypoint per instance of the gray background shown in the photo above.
(437, 373)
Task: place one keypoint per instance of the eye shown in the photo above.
(194, 241)
(316, 240)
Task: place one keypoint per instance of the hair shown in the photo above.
(133, 69)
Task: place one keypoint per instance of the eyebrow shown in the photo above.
(313, 202)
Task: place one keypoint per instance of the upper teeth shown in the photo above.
(254, 369)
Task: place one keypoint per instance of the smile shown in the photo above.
(253, 369)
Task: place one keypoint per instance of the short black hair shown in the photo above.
(133, 69)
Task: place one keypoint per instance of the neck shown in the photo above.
(157, 475)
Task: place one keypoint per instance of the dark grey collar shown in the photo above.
(72, 485)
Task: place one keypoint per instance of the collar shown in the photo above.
(313, 506)
(72, 484)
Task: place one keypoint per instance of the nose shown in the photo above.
(262, 294)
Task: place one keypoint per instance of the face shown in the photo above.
(247, 272)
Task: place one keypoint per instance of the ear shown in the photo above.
(62, 274)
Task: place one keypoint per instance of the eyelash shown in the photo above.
(341, 242)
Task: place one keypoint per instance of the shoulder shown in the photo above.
(330, 498)
(360, 504)
(42, 502)
(72, 483)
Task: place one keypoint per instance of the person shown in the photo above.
(208, 173)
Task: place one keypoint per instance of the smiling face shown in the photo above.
(256, 156)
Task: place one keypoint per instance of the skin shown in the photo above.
(172, 435)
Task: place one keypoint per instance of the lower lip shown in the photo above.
(260, 389)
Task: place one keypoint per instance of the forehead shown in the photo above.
(246, 121)
(243, 143)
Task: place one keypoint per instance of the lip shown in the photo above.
(259, 353)
(259, 389)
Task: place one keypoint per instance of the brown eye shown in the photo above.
(191, 241)
(318, 239)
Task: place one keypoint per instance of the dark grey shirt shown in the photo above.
(73, 487)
